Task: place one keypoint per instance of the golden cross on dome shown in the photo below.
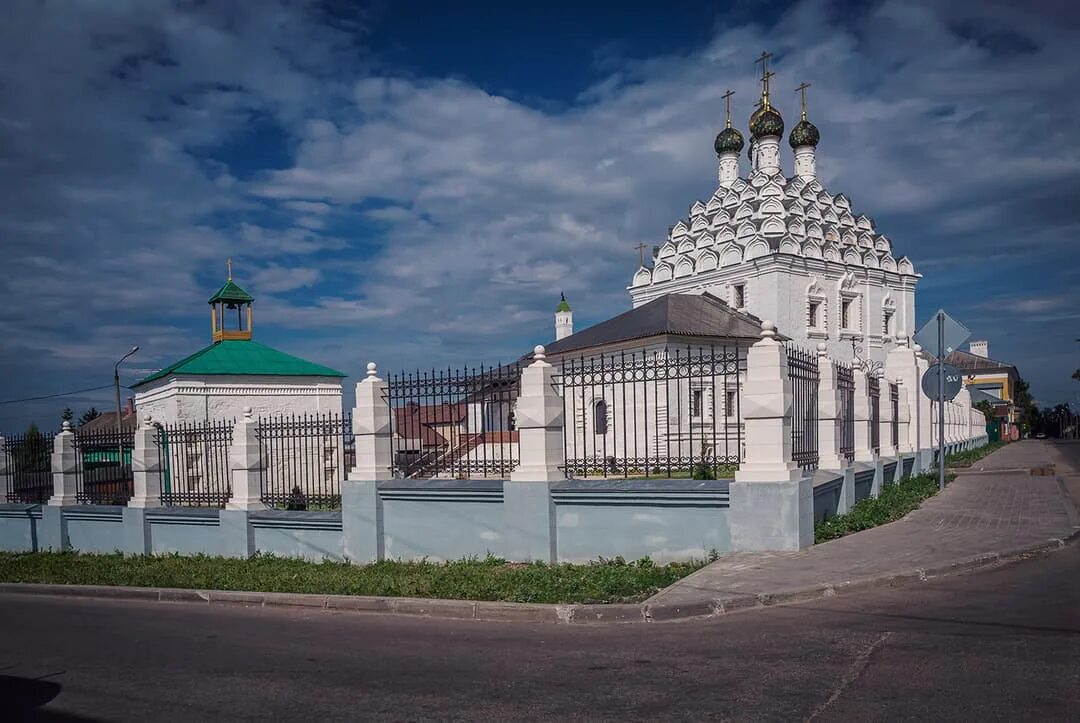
(727, 99)
(228, 264)
(802, 89)
(765, 75)
(641, 254)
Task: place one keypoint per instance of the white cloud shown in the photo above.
(467, 211)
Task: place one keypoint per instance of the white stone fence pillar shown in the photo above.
(830, 414)
(863, 452)
(771, 498)
(146, 467)
(538, 418)
(64, 468)
(372, 430)
(885, 418)
(903, 441)
(246, 465)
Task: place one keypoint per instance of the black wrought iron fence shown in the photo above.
(804, 375)
(894, 401)
(654, 413)
(103, 466)
(873, 387)
(456, 423)
(29, 463)
(305, 460)
(845, 382)
(195, 463)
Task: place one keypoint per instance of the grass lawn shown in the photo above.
(603, 581)
(895, 501)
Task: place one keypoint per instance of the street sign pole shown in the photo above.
(941, 400)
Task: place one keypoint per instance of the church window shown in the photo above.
(697, 402)
(600, 417)
(887, 323)
(738, 299)
(845, 314)
(730, 401)
(815, 314)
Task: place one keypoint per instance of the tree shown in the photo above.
(1029, 412)
(67, 415)
(987, 409)
(31, 454)
(89, 414)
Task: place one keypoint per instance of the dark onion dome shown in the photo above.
(728, 140)
(766, 121)
(804, 133)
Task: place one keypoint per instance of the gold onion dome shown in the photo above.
(766, 121)
(804, 133)
(728, 140)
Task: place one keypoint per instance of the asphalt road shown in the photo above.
(1002, 644)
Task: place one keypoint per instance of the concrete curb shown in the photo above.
(538, 612)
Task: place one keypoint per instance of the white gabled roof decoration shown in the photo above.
(748, 219)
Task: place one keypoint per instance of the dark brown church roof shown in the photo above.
(974, 364)
(671, 314)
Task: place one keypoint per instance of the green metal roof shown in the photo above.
(242, 357)
(563, 306)
(231, 292)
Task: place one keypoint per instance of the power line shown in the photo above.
(61, 394)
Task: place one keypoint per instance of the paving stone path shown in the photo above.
(998, 508)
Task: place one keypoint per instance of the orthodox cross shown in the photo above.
(802, 89)
(641, 254)
(228, 264)
(727, 99)
(765, 75)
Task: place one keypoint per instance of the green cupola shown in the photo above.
(223, 303)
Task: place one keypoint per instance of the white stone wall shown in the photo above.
(212, 397)
(777, 288)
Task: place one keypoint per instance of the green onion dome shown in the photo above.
(728, 140)
(766, 121)
(804, 133)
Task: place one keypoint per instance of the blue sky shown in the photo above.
(415, 183)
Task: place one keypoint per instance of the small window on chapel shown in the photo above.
(739, 296)
(815, 314)
(845, 314)
(600, 418)
(697, 403)
(887, 323)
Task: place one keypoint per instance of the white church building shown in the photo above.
(784, 248)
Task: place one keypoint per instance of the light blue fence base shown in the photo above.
(313, 536)
(437, 520)
(664, 520)
(567, 521)
(19, 527)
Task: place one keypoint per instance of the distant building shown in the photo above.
(988, 379)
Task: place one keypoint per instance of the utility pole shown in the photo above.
(119, 413)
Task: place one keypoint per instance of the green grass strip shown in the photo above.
(603, 581)
(969, 457)
(895, 501)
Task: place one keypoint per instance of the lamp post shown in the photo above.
(119, 413)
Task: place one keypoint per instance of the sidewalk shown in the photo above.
(979, 519)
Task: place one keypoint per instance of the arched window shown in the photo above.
(600, 417)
